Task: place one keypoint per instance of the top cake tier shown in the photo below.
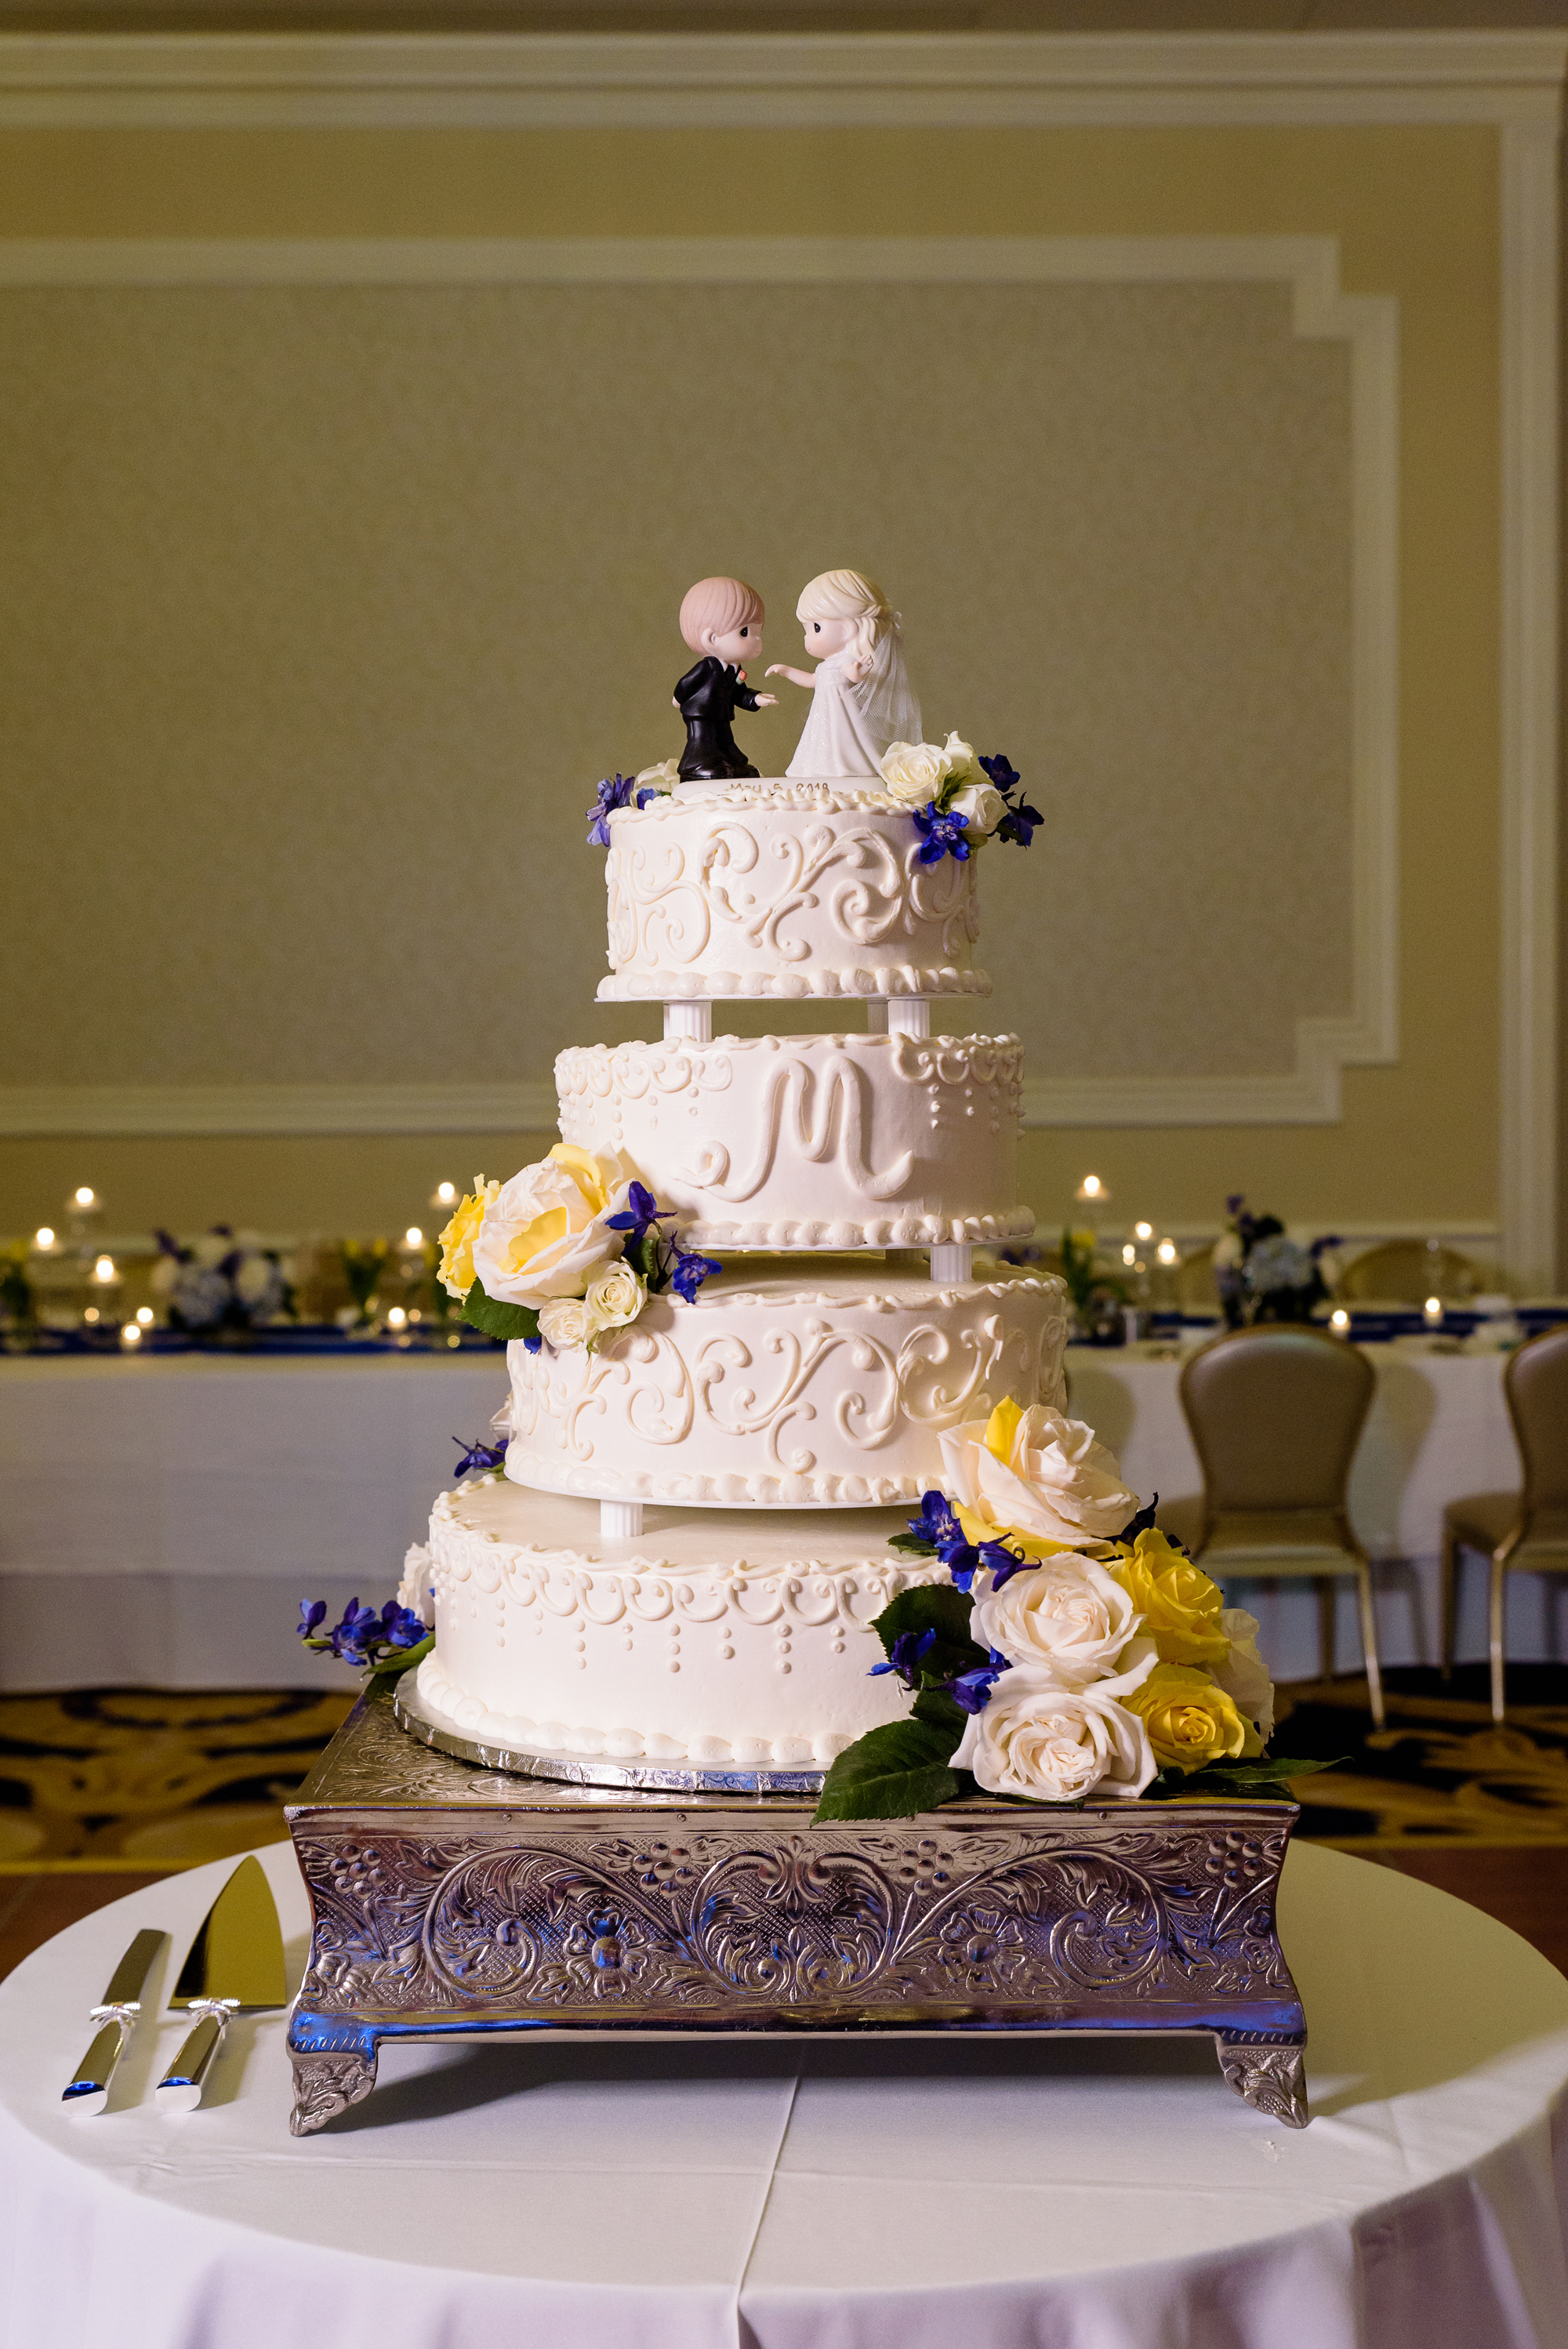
(784, 889)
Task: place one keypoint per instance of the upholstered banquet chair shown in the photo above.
(1527, 1529)
(1406, 1272)
(1275, 1414)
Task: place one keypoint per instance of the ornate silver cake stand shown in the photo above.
(452, 1899)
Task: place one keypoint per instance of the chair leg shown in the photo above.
(1494, 1644)
(1448, 1622)
(1325, 1595)
(1369, 1642)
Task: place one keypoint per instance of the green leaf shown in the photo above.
(1236, 1778)
(912, 1545)
(932, 1606)
(934, 1705)
(402, 1659)
(891, 1772)
(499, 1320)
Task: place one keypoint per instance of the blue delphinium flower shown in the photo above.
(1004, 1563)
(689, 1272)
(400, 1627)
(641, 1211)
(1019, 822)
(907, 1650)
(614, 792)
(310, 1615)
(941, 835)
(360, 1625)
(481, 1459)
(1002, 774)
(936, 1522)
(971, 1691)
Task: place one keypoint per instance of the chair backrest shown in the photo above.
(1536, 1384)
(1406, 1272)
(1275, 1414)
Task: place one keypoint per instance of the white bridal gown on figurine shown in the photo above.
(854, 720)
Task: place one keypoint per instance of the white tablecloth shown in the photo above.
(159, 1518)
(1088, 2195)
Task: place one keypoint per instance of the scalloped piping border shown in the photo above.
(866, 986)
(694, 1491)
(904, 1231)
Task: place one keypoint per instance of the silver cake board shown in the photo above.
(453, 1899)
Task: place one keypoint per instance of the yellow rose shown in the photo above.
(1191, 1720)
(1180, 1606)
(456, 1241)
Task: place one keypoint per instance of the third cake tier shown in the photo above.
(851, 1141)
(784, 1383)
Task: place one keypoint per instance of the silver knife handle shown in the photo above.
(180, 2090)
(89, 2090)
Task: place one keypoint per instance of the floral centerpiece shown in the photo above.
(958, 800)
(1072, 1651)
(1261, 1274)
(223, 1283)
(566, 1252)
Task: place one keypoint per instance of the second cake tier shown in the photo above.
(850, 1141)
(784, 1383)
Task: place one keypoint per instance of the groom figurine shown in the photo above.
(721, 619)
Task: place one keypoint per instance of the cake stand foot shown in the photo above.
(953, 1260)
(326, 2085)
(620, 1520)
(690, 1018)
(1267, 2075)
(908, 1015)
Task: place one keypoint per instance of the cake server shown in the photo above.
(117, 2013)
(235, 1961)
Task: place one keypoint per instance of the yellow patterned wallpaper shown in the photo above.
(318, 603)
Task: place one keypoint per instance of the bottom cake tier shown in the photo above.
(720, 1638)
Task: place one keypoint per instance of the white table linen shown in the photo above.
(161, 1518)
(1087, 2195)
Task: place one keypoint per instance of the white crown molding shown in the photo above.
(148, 1110)
(1527, 1175)
(691, 81)
(1310, 1092)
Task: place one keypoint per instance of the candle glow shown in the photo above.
(414, 1236)
(104, 1270)
(44, 1237)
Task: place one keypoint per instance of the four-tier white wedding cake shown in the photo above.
(692, 1533)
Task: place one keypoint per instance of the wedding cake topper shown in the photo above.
(721, 619)
(861, 700)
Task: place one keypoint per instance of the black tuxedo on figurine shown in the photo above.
(706, 697)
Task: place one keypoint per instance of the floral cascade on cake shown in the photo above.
(1072, 1651)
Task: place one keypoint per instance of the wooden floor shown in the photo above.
(1524, 1885)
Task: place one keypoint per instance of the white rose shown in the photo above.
(962, 762)
(1225, 1252)
(982, 807)
(1243, 1675)
(1068, 1619)
(414, 1590)
(543, 1233)
(211, 1249)
(564, 1321)
(614, 1298)
(662, 778)
(253, 1277)
(1045, 1476)
(913, 773)
(1056, 1745)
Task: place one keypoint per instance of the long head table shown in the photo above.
(159, 1518)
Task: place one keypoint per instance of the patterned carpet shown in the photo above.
(138, 1779)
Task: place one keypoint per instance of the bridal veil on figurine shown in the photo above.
(862, 702)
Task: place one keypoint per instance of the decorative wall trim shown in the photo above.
(1308, 1094)
(677, 81)
(1527, 1172)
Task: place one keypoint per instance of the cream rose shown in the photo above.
(1068, 1619)
(456, 1241)
(1056, 1745)
(1039, 1473)
(615, 1296)
(414, 1591)
(982, 807)
(662, 778)
(564, 1321)
(1243, 1675)
(913, 773)
(963, 766)
(543, 1233)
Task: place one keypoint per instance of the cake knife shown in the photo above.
(118, 2013)
(236, 1959)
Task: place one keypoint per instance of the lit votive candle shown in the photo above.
(445, 1195)
(146, 1316)
(43, 1239)
(397, 1319)
(1144, 1231)
(1166, 1251)
(414, 1238)
(1339, 1322)
(130, 1336)
(104, 1272)
(1433, 1311)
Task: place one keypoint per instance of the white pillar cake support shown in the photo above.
(908, 1015)
(952, 1260)
(620, 1520)
(691, 1017)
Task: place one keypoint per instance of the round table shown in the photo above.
(907, 2195)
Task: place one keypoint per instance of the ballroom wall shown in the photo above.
(329, 584)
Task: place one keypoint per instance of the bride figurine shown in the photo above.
(861, 700)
